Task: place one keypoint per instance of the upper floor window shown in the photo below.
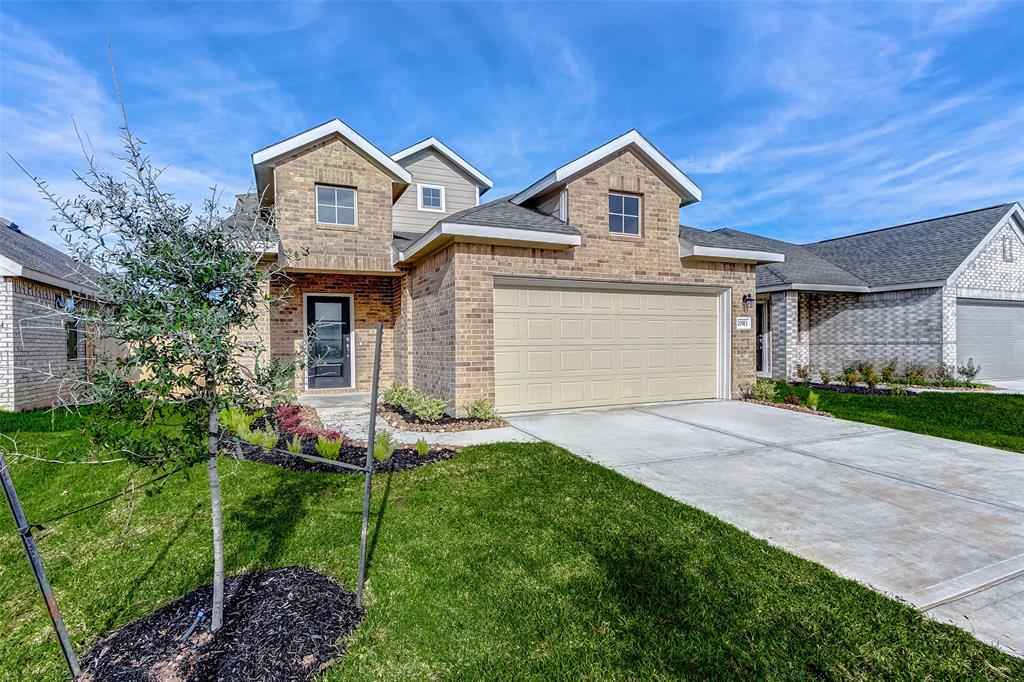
(623, 214)
(335, 205)
(431, 197)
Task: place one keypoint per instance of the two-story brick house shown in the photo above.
(574, 292)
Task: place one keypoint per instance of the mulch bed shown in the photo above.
(791, 408)
(402, 459)
(283, 624)
(843, 388)
(400, 419)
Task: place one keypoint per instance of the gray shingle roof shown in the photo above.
(801, 264)
(503, 213)
(33, 254)
(244, 213)
(925, 251)
(400, 240)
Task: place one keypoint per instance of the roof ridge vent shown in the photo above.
(7, 223)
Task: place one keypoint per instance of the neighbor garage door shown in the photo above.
(560, 348)
(992, 334)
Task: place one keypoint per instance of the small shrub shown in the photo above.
(870, 378)
(424, 407)
(899, 389)
(422, 447)
(238, 420)
(481, 409)
(803, 372)
(397, 395)
(969, 371)
(295, 445)
(864, 367)
(916, 373)
(888, 370)
(851, 374)
(943, 372)
(812, 400)
(264, 438)
(383, 446)
(763, 390)
(327, 447)
(826, 376)
(792, 399)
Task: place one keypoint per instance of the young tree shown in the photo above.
(180, 294)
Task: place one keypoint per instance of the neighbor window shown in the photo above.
(335, 205)
(623, 214)
(431, 197)
(71, 329)
(1008, 249)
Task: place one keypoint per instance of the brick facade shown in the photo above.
(363, 248)
(829, 330)
(34, 367)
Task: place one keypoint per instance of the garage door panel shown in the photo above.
(584, 348)
(991, 334)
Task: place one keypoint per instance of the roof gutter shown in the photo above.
(443, 234)
(852, 289)
(10, 268)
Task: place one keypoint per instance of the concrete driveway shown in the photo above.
(936, 522)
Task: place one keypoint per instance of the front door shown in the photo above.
(329, 326)
(763, 337)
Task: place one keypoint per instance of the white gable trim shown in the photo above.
(683, 186)
(334, 127)
(1003, 222)
(482, 181)
(690, 250)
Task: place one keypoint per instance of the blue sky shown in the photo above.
(799, 121)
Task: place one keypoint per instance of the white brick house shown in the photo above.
(939, 290)
(41, 348)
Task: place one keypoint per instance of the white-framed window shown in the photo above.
(335, 205)
(623, 214)
(431, 197)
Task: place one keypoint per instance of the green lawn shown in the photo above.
(510, 561)
(982, 418)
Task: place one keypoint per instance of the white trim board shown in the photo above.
(688, 249)
(687, 190)
(333, 127)
(483, 182)
(352, 335)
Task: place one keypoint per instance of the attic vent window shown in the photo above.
(1008, 249)
(431, 198)
(623, 214)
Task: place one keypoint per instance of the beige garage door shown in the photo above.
(561, 348)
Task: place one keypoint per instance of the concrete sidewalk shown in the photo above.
(936, 522)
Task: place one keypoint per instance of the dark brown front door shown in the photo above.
(329, 325)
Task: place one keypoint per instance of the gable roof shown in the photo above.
(503, 213)
(925, 251)
(264, 159)
(687, 190)
(25, 256)
(481, 180)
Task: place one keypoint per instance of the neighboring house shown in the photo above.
(574, 292)
(41, 348)
(946, 290)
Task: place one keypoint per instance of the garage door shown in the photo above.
(992, 334)
(561, 348)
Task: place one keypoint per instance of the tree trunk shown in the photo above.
(218, 524)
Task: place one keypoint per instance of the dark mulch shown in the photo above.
(402, 459)
(400, 419)
(279, 625)
(843, 388)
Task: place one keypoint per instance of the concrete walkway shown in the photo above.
(1009, 385)
(935, 522)
(350, 414)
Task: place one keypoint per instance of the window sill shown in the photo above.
(430, 210)
(340, 228)
(619, 237)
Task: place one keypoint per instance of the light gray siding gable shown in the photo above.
(427, 167)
